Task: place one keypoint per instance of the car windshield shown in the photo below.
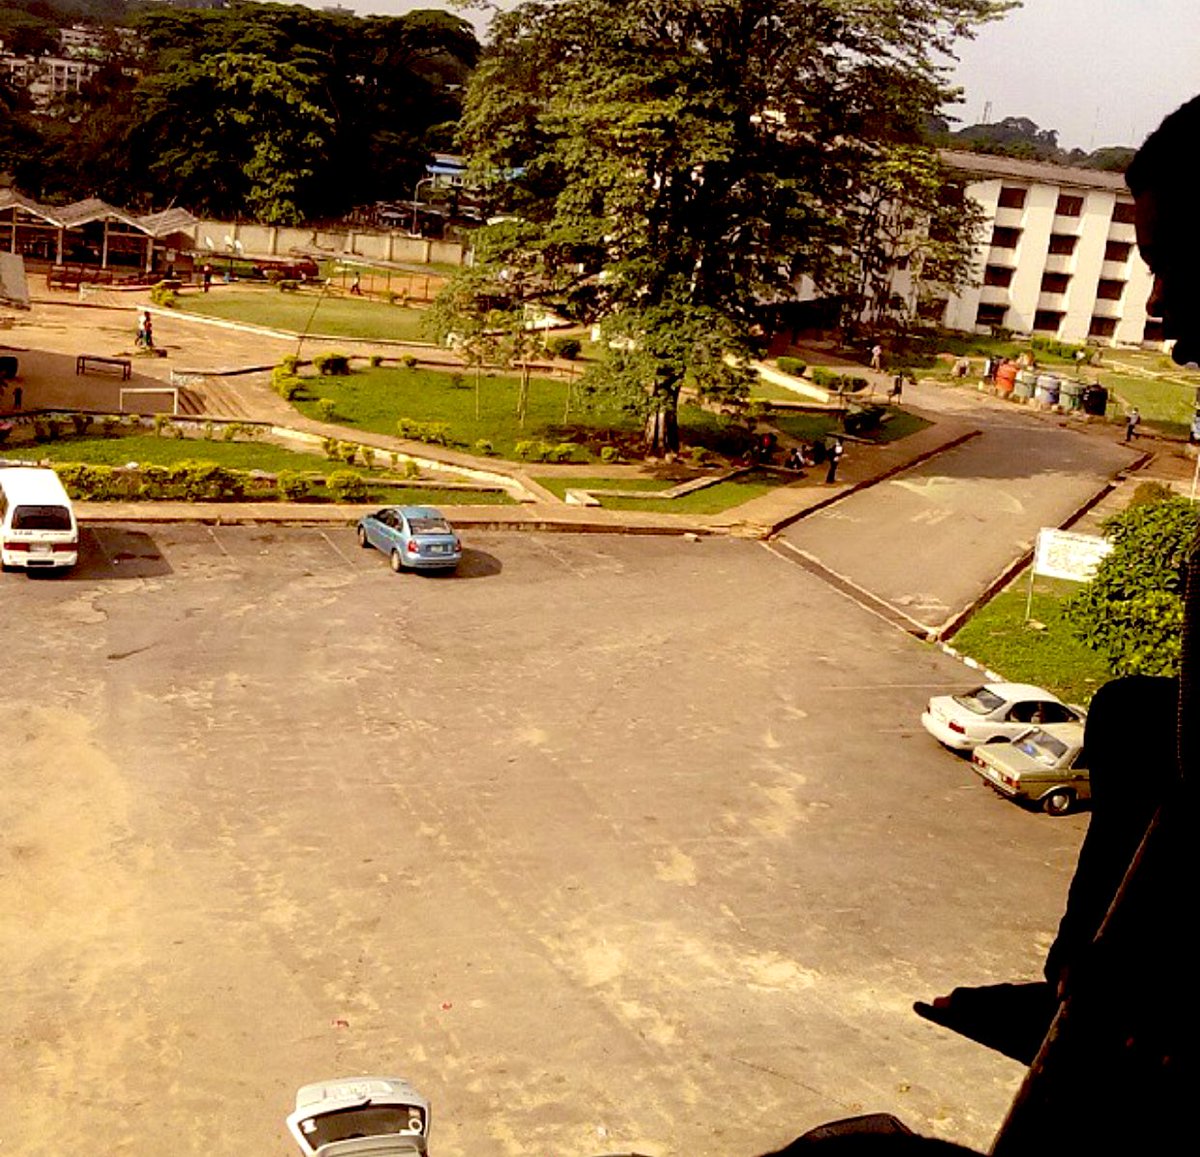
(981, 701)
(41, 518)
(362, 1121)
(1043, 747)
(429, 526)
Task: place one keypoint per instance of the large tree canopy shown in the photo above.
(267, 110)
(696, 157)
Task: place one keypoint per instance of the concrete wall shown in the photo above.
(365, 245)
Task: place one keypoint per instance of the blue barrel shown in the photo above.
(1025, 384)
(1048, 389)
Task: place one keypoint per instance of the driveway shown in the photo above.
(580, 842)
(930, 541)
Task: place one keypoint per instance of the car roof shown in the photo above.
(32, 484)
(419, 511)
(1021, 691)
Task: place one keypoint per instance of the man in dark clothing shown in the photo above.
(833, 450)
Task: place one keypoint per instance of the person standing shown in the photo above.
(897, 390)
(140, 340)
(1132, 421)
(206, 276)
(833, 455)
(877, 357)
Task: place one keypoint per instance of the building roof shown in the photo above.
(985, 166)
(93, 209)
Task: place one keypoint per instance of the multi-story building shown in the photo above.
(1058, 256)
(48, 78)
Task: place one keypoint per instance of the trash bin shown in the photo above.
(1025, 384)
(1071, 395)
(1095, 400)
(1047, 389)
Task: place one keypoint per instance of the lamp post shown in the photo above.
(416, 188)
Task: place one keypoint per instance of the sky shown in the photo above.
(1101, 72)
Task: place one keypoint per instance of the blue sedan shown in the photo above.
(413, 538)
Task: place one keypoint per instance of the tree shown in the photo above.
(683, 164)
(1132, 610)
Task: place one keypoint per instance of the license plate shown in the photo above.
(40, 548)
(439, 549)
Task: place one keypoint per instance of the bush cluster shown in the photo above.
(190, 480)
(347, 486)
(543, 452)
(163, 297)
(565, 347)
(789, 365)
(839, 383)
(286, 382)
(437, 433)
(346, 452)
(1056, 348)
(332, 364)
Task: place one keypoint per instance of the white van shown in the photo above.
(37, 524)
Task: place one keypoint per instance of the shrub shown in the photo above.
(332, 365)
(457, 381)
(823, 378)
(346, 486)
(793, 366)
(289, 364)
(565, 347)
(483, 446)
(348, 451)
(408, 361)
(162, 425)
(110, 425)
(610, 454)
(326, 409)
(563, 452)
(1147, 492)
(196, 481)
(164, 297)
(375, 361)
(81, 422)
(368, 457)
(332, 448)
(288, 285)
(411, 469)
(291, 486)
(206, 431)
(529, 451)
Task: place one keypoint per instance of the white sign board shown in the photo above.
(1064, 555)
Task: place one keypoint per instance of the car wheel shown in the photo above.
(396, 561)
(1059, 802)
(363, 541)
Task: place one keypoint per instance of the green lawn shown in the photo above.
(376, 398)
(1043, 651)
(1165, 404)
(308, 311)
(709, 500)
(151, 450)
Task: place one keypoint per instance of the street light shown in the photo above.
(416, 188)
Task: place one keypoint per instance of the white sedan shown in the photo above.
(993, 713)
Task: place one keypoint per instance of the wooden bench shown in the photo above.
(83, 361)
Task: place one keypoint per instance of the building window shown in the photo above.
(1102, 327)
(932, 309)
(1118, 251)
(1012, 197)
(989, 314)
(999, 275)
(1123, 213)
(1005, 238)
(1068, 206)
(1153, 331)
(1062, 244)
(1055, 282)
(1047, 320)
(1110, 289)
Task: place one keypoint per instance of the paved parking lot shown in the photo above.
(607, 844)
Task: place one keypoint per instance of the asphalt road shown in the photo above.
(930, 540)
(607, 844)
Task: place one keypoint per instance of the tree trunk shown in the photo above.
(662, 428)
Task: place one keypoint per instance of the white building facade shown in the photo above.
(1058, 256)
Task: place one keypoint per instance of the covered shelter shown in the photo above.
(91, 233)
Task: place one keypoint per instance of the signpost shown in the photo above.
(1062, 554)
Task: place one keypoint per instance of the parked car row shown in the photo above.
(1024, 742)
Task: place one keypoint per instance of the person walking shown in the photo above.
(356, 284)
(1132, 421)
(140, 340)
(877, 357)
(146, 329)
(833, 455)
